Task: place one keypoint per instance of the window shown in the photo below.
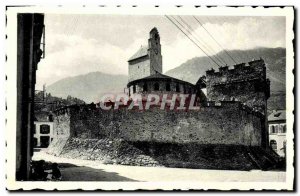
(156, 87)
(177, 88)
(44, 129)
(284, 128)
(134, 89)
(273, 129)
(273, 145)
(168, 87)
(45, 141)
(34, 129)
(145, 87)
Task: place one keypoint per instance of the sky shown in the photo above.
(79, 44)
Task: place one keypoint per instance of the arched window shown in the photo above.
(134, 89)
(177, 88)
(156, 87)
(145, 87)
(168, 87)
(273, 145)
(44, 129)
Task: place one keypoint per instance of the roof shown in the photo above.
(158, 76)
(277, 115)
(143, 51)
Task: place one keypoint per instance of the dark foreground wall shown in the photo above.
(29, 32)
(228, 123)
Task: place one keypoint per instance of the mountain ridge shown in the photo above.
(91, 86)
(189, 71)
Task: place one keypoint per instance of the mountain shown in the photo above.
(274, 58)
(88, 87)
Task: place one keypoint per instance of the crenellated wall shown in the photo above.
(244, 83)
(215, 123)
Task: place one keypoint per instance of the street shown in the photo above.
(85, 170)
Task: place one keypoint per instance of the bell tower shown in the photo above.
(154, 51)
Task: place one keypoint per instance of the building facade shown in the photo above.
(277, 132)
(145, 73)
(147, 60)
(246, 83)
(43, 130)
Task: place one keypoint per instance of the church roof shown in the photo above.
(143, 51)
(158, 76)
(277, 115)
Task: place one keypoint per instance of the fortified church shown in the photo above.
(230, 127)
(245, 83)
(145, 72)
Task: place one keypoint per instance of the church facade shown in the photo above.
(145, 73)
(147, 60)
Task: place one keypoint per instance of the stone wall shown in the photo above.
(62, 129)
(228, 123)
(62, 122)
(245, 83)
(139, 68)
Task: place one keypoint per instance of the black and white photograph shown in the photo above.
(117, 98)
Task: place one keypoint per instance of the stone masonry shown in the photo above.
(221, 123)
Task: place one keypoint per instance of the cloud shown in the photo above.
(246, 33)
(74, 55)
(75, 47)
